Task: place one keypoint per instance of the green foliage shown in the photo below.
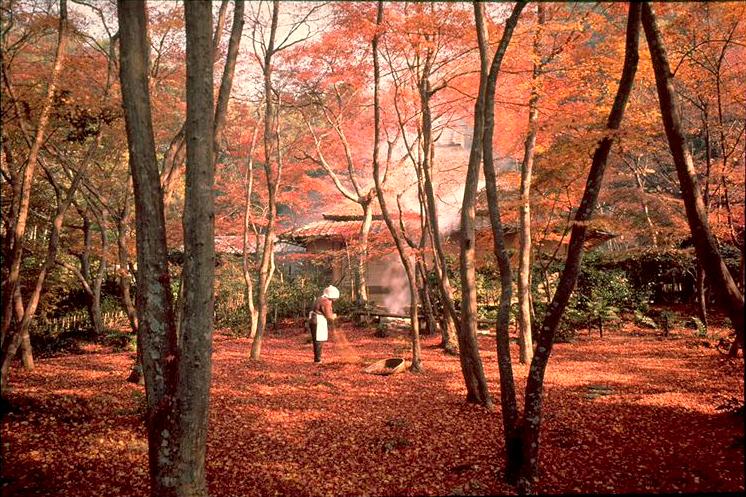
(121, 342)
(293, 297)
(644, 320)
(600, 297)
(343, 306)
(700, 327)
(51, 341)
(288, 296)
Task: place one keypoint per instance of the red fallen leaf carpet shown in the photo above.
(631, 412)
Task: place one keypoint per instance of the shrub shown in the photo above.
(50, 341)
(121, 342)
(288, 296)
(599, 298)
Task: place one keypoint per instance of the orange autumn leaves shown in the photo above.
(632, 413)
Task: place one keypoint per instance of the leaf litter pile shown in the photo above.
(631, 412)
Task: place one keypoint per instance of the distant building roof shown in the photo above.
(340, 230)
(350, 211)
(343, 224)
(233, 244)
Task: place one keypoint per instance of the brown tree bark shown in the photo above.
(157, 331)
(701, 294)
(92, 283)
(450, 319)
(704, 241)
(530, 423)
(226, 82)
(508, 403)
(196, 327)
(471, 363)
(122, 223)
(177, 369)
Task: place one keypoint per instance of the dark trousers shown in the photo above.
(316, 345)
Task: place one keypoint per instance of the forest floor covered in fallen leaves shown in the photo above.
(630, 412)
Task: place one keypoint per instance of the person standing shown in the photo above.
(321, 314)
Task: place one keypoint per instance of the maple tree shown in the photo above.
(416, 365)
(23, 186)
(267, 44)
(481, 151)
(434, 58)
(704, 241)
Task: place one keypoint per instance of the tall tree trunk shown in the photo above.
(426, 300)
(701, 296)
(157, 330)
(123, 257)
(24, 201)
(531, 420)
(508, 403)
(416, 365)
(525, 342)
(226, 82)
(704, 241)
(123, 280)
(195, 331)
(98, 282)
(450, 318)
(471, 363)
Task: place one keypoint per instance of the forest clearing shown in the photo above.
(372, 248)
(630, 413)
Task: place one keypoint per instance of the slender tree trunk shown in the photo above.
(704, 241)
(644, 205)
(450, 318)
(525, 342)
(123, 279)
(531, 420)
(21, 336)
(701, 294)
(471, 363)
(362, 258)
(249, 222)
(98, 281)
(11, 345)
(416, 365)
(226, 82)
(508, 403)
(123, 256)
(265, 269)
(426, 300)
(27, 179)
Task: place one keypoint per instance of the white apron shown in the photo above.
(322, 329)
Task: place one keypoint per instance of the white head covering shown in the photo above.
(331, 292)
